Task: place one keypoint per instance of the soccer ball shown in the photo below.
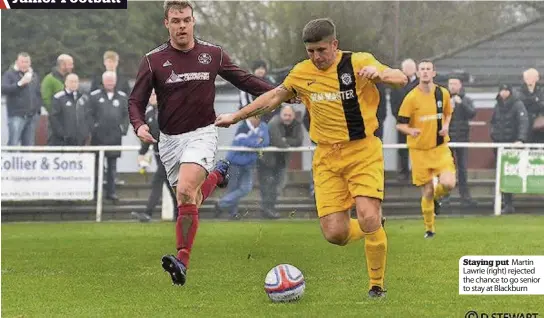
(284, 283)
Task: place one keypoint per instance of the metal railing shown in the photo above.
(103, 149)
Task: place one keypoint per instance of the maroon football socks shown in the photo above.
(186, 227)
(210, 183)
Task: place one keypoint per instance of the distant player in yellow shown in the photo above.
(338, 89)
(425, 116)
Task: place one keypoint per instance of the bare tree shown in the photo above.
(273, 29)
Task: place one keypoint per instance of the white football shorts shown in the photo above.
(198, 146)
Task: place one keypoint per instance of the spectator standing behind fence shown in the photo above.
(251, 133)
(159, 178)
(22, 89)
(397, 96)
(111, 62)
(53, 82)
(69, 119)
(532, 96)
(459, 131)
(109, 109)
(285, 131)
(259, 69)
(509, 124)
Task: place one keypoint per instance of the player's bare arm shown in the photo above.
(407, 130)
(390, 76)
(394, 77)
(445, 126)
(403, 119)
(265, 103)
(270, 101)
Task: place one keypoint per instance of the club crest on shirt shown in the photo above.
(115, 103)
(204, 58)
(439, 104)
(346, 79)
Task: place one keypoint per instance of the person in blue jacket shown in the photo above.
(250, 133)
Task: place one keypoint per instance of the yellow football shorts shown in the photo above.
(345, 170)
(427, 164)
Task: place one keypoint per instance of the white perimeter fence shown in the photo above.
(167, 209)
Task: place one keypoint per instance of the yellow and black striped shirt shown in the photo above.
(342, 105)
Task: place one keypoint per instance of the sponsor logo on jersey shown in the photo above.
(187, 77)
(430, 117)
(332, 96)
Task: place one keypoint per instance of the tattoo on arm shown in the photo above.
(279, 92)
(256, 112)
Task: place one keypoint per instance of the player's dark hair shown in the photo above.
(177, 5)
(455, 76)
(426, 61)
(318, 30)
(258, 64)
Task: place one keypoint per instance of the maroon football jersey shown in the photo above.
(184, 84)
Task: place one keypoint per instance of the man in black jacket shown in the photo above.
(459, 131)
(159, 178)
(509, 124)
(109, 111)
(23, 99)
(532, 96)
(397, 96)
(70, 116)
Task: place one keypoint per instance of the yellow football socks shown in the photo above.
(376, 254)
(427, 208)
(355, 232)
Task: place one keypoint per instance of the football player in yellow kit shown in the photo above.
(339, 90)
(425, 116)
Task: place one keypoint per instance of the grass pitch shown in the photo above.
(113, 269)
